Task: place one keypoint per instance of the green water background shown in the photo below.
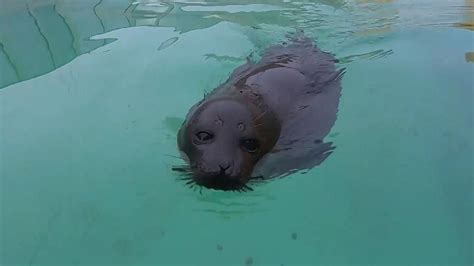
(93, 93)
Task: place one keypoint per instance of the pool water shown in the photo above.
(92, 94)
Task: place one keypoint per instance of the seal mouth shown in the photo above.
(215, 181)
(221, 181)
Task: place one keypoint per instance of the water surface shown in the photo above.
(92, 94)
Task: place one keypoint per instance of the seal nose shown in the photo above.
(225, 168)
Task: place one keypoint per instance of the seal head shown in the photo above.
(224, 138)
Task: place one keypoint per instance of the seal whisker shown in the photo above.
(174, 156)
(248, 188)
(185, 176)
(181, 168)
(257, 177)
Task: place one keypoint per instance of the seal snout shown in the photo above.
(226, 168)
(224, 138)
(223, 179)
(220, 182)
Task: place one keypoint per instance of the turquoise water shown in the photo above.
(92, 94)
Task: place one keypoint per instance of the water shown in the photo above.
(93, 92)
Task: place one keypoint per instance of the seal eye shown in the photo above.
(251, 145)
(203, 137)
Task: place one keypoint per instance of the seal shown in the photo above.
(268, 119)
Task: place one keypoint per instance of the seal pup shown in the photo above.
(268, 119)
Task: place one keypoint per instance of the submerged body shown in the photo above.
(268, 119)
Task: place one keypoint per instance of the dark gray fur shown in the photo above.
(301, 85)
(306, 104)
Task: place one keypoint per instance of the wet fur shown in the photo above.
(304, 95)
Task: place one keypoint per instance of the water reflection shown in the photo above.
(468, 16)
(226, 205)
(469, 56)
(54, 32)
(468, 23)
(60, 30)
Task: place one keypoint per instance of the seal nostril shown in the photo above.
(224, 168)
